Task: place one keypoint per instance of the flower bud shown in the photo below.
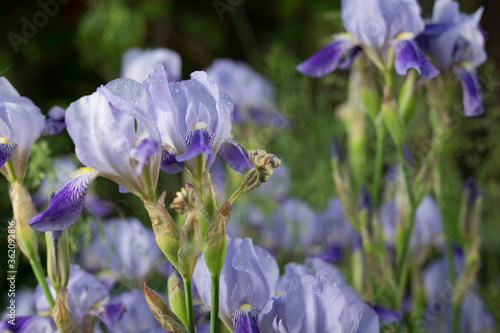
(163, 314)
(264, 163)
(61, 314)
(392, 119)
(216, 240)
(176, 297)
(166, 232)
(407, 99)
(470, 210)
(189, 245)
(210, 201)
(24, 210)
(57, 258)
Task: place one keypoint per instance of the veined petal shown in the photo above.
(235, 155)
(245, 320)
(146, 148)
(169, 162)
(408, 55)
(198, 141)
(328, 58)
(472, 95)
(66, 206)
(6, 150)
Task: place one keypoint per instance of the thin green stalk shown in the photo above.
(379, 161)
(214, 310)
(40, 277)
(188, 292)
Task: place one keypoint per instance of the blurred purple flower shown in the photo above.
(138, 63)
(248, 280)
(21, 123)
(56, 122)
(138, 318)
(317, 304)
(455, 41)
(194, 117)
(374, 26)
(29, 324)
(253, 95)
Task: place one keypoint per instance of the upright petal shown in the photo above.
(235, 156)
(138, 63)
(66, 206)
(328, 58)
(472, 95)
(408, 55)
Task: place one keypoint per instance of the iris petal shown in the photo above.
(472, 95)
(198, 141)
(235, 155)
(6, 151)
(329, 58)
(169, 163)
(146, 148)
(245, 321)
(408, 55)
(66, 206)
(111, 313)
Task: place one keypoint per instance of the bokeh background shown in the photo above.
(80, 48)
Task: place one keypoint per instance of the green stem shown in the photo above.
(40, 277)
(401, 263)
(379, 161)
(235, 195)
(214, 311)
(188, 292)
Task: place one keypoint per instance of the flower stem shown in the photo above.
(40, 277)
(214, 311)
(188, 292)
(379, 161)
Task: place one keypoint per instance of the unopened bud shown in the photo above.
(210, 201)
(176, 297)
(189, 245)
(61, 314)
(392, 119)
(163, 314)
(57, 258)
(470, 211)
(216, 240)
(24, 210)
(407, 99)
(264, 163)
(166, 232)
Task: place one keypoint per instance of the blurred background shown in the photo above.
(56, 58)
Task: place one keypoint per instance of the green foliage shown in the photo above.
(39, 165)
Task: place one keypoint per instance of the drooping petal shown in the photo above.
(169, 162)
(408, 55)
(55, 124)
(472, 95)
(198, 141)
(235, 155)
(145, 149)
(245, 320)
(328, 58)
(66, 206)
(111, 313)
(6, 150)
(388, 316)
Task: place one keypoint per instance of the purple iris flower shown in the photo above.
(115, 136)
(138, 317)
(29, 324)
(437, 317)
(87, 297)
(138, 63)
(455, 41)
(194, 118)
(56, 122)
(21, 123)
(248, 280)
(376, 27)
(252, 94)
(317, 304)
(127, 248)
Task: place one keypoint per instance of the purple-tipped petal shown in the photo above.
(198, 141)
(245, 320)
(6, 151)
(56, 122)
(350, 57)
(472, 96)
(66, 206)
(328, 58)
(408, 55)
(169, 163)
(111, 313)
(388, 316)
(235, 155)
(142, 152)
(472, 190)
